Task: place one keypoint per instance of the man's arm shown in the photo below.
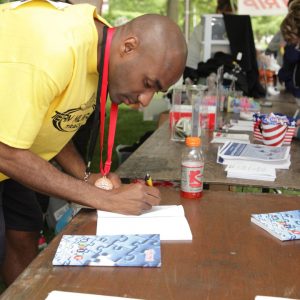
(38, 174)
(72, 163)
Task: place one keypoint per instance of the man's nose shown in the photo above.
(145, 98)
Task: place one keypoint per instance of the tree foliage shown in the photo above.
(130, 9)
(266, 26)
(262, 26)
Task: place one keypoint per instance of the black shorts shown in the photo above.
(21, 208)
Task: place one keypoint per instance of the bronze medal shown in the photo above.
(104, 183)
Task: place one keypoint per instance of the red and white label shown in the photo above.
(192, 176)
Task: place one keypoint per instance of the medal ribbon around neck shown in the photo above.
(113, 110)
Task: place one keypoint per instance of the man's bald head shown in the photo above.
(159, 34)
(154, 48)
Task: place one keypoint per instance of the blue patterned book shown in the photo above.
(137, 250)
(283, 225)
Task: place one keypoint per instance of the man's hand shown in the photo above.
(131, 199)
(27, 168)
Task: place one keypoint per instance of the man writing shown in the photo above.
(49, 67)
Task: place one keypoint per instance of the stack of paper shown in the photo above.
(167, 220)
(283, 225)
(250, 170)
(253, 161)
(222, 137)
(239, 125)
(246, 115)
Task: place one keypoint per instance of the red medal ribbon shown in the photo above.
(113, 110)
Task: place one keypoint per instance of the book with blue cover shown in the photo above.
(136, 250)
(283, 225)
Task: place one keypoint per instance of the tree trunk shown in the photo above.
(172, 10)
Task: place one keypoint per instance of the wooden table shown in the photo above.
(283, 103)
(229, 257)
(161, 157)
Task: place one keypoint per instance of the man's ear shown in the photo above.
(129, 45)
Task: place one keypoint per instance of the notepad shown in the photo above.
(62, 295)
(167, 220)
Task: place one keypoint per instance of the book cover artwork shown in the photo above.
(139, 250)
(283, 225)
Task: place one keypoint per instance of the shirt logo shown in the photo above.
(72, 119)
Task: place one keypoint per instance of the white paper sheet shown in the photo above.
(272, 298)
(167, 220)
(240, 125)
(222, 137)
(59, 295)
(250, 170)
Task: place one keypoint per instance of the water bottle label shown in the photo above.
(192, 177)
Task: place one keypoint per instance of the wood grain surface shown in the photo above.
(229, 257)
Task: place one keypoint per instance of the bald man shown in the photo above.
(49, 66)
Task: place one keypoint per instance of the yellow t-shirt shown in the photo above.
(48, 73)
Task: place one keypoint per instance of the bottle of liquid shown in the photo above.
(192, 166)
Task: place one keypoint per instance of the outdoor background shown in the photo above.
(130, 122)
(117, 10)
(131, 126)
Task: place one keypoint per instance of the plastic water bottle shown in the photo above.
(192, 166)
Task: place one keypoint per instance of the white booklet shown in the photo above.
(278, 157)
(250, 170)
(167, 220)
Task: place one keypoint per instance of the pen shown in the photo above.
(148, 180)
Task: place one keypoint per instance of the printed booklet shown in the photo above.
(137, 250)
(283, 225)
(278, 157)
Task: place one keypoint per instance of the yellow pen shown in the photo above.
(148, 180)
